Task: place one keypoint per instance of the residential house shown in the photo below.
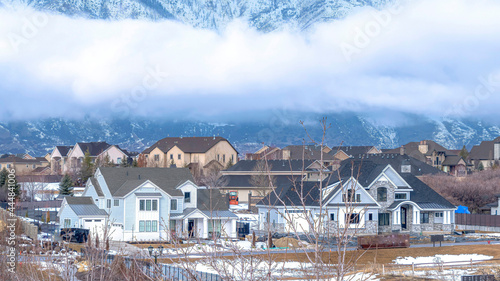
(434, 154)
(266, 153)
(23, 166)
(494, 208)
(253, 175)
(195, 152)
(68, 159)
(152, 204)
(345, 152)
(376, 198)
(487, 154)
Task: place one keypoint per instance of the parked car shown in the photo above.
(78, 235)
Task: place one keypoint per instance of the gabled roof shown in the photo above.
(351, 150)
(97, 186)
(452, 160)
(309, 152)
(94, 148)
(63, 150)
(186, 144)
(425, 196)
(412, 149)
(484, 151)
(84, 206)
(274, 165)
(122, 181)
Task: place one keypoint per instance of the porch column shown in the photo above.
(185, 225)
(233, 228)
(394, 217)
(446, 217)
(416, 217)
(205, 228)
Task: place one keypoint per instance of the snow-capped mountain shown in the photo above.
(265, 15)
(39, 137)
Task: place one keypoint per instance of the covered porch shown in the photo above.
(200, 224)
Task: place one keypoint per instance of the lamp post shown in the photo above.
(155, 252)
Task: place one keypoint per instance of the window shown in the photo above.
(173, 205)
(383, 219)
(424, 217)
(118, 160)
(116, 203)
(155, 205)
(148, 205)
(358, 197)
(187, 197)
(223, 158)
(382, 194)
(171, 156)
(439, 215)
(141, 205)
(34, 166)
(67, 223)
(8, 166)
(232, 158)
(218, 157)
(349, 196)
(157, 157)
(352, 218)
(179, 156)
(108, 203)
(148, 226)
(400, 196)
(332, 216)
(370, 216)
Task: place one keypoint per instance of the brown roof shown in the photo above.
(484, 151)
(412, 149)
(94, 148)
(186, 144)
(307, 152)
(15, 159)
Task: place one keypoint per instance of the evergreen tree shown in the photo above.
(229, 163)
(66, 186)
(12, 187)
(464, 153)
(87, 168)
(135, 164)
(124, 163)
(3, 176)
(107, 161)
(480, 167)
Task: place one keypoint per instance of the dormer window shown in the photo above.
(187, 197)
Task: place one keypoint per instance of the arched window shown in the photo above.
(382, 194)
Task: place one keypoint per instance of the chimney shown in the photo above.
(402, 150)
(423, 147)
(496, 151)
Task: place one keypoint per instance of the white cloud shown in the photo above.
(421, 58)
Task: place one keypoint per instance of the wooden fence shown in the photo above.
(477, 220)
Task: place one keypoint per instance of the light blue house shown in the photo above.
(151, 204)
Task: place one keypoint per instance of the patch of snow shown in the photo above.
(448, 259)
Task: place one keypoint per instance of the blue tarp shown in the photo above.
(462, 210)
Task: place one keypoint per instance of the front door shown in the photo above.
(403, 218)
(191, 228)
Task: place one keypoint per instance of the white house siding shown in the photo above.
(68, 213)
(188, 187)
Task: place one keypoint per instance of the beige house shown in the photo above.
(21, 165)
(68, 159)
(486, 155)
(187, 151)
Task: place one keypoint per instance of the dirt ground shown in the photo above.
(385, 256)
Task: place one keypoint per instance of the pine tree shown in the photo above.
(87, 168)
(108, 162)
(464, 153)
(66, 186)
(124, 163)
(3, 176)
(135, 164)
(480, 167)
(12, 187)
(229, 163)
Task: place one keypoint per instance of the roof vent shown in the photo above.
(139, 176)
(127, 173)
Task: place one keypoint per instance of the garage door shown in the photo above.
(96, 226)
(296, 221)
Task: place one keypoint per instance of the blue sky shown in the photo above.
(427, 57)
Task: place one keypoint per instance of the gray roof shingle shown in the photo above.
(186, 144)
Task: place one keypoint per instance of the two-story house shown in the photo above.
(68, 159)
(149, 204)
(486, 155)
(369, 197)
(193, 152)
(23, 166)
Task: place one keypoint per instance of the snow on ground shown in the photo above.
(485, 235)
(239, 207)
(445, 275)
(219, 246)
(449, 259)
